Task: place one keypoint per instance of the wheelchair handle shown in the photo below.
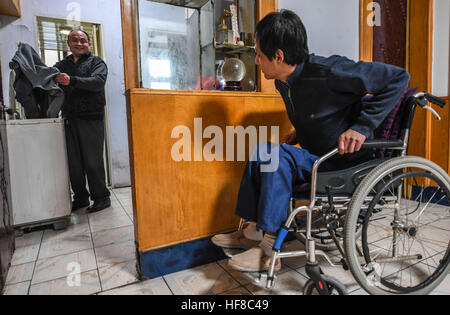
(435, 100)
(423, 98)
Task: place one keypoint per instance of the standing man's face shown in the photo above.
(78, 43)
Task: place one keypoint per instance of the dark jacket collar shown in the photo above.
(85, 56)
(296, 74)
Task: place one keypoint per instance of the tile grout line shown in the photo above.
(95, 255)
(125, 285)
(167, 284)
(123, 208)
(7, 285)
(35, 263)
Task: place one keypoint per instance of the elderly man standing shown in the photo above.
(83, 77)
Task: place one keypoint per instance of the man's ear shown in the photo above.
(279, 56)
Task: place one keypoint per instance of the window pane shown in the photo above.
(51, 57)
(170, 47)
(207, 42)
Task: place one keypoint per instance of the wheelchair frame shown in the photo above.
(316, 203)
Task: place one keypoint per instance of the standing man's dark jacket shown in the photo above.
(85, 96)
(324, 99)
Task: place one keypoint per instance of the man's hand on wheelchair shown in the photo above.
(350, 142)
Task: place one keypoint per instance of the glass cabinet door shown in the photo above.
(179, 48)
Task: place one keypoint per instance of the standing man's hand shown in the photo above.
(62, 79)
(290, 138)
(350, 142)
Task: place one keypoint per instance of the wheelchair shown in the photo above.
(388, 218)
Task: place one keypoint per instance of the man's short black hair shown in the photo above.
(283, 30)
(78, 30)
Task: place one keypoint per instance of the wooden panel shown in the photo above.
(130, 48)
(263, 8)
(440, 137)
(176, 202)
(420, 67)
(10, 7)
(365, 32)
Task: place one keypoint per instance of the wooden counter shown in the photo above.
(176, 202)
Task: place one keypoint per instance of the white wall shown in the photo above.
(108, 14)
(332, 26)
(441, 55)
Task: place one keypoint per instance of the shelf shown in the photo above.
(234, 49)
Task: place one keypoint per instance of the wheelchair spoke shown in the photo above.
(421, 212)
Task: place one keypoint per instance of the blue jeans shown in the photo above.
(265, 190)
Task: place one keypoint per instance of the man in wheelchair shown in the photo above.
(325, 102)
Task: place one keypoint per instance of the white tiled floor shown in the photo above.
(102, 246)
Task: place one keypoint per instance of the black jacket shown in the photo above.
(324, 98)
(35, 89)
(85, 96)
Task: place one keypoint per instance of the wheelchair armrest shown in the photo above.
(369, 144)
(383, 144)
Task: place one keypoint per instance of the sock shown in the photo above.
(252, 233)
(267, 243)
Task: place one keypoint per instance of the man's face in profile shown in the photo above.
(267, 66)
(78, 43)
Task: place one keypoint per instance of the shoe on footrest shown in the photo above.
(235, 240)
(253, 260)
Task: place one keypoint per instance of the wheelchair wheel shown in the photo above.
(334, 287)
(404, 205)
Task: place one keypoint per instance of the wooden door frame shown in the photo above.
(419, 42)
(365, 32)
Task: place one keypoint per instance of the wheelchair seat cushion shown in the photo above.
(342, 182)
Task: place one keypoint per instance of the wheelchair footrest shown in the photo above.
(259, 279)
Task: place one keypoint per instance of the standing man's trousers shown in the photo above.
(85, 140)
(265, 192)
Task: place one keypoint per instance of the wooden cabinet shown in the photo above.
(10, 7)
(177, 202)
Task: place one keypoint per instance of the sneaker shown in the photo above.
(253, 260)
(235, 240)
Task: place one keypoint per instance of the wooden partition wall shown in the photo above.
(176, 202)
